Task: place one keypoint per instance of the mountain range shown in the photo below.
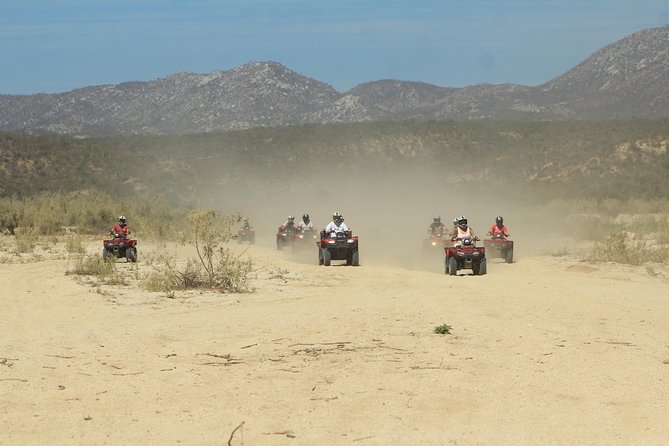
(627, 79)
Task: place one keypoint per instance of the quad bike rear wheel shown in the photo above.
(279, 244)
(105, 255)
(355, 261)
(326, 257)
(509, 256)
(320, 256)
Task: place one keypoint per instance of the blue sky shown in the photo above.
(57, 45)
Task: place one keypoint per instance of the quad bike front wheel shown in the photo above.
(452, 266)
(509, 256)
(326, 257)
(482, 269)
(131, 255)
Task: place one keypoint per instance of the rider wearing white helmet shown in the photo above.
(121, 227)
(436, 227)
(462, 230)
(289, 224)
(337, 224)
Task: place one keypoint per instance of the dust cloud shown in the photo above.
(389, 210)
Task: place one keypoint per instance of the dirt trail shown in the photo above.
(543, 351)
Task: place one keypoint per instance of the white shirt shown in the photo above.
(464, 234)
(302, 226)
(336, 227)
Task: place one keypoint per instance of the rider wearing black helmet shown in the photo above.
(306, 224)
(498, 228)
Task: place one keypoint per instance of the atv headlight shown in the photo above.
(434, 243)
(350, 240)
(461, 254)
(475, 254)
(332, 242)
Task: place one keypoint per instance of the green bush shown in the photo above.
(443, 329)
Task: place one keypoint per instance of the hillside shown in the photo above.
(627, 79)
(572, 158)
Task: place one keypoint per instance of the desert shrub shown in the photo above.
(9, 215)
(90, 212)
(620, 249)
(92, 266)
(215, 266)
(595, 227)
(26, 239)
(74, 245)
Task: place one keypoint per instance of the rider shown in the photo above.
(246, 226)
(498, 228)
(436, 227)
(306, 224)
(462, 231)
(121, 227)
(289, 224)
(336, 225)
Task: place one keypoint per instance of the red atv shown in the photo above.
(500, 246)
(285, 236)
(120, 247)
(465, 255)
(246, 235)
(338, 246)
(303, 240)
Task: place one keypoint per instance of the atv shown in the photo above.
(120, 247)
(303, 240)
(247, 235)
(465, 255)
(338, 246)
(285, 237)
(433, 242)
(500, 246)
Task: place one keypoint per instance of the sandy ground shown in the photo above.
(547, 350)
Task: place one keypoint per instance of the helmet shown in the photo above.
(305, 217)
(291, 218)
(437, 219)
(336, 216)
(121, 218)
(499, 220)
(455, 220)
(462, 221)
